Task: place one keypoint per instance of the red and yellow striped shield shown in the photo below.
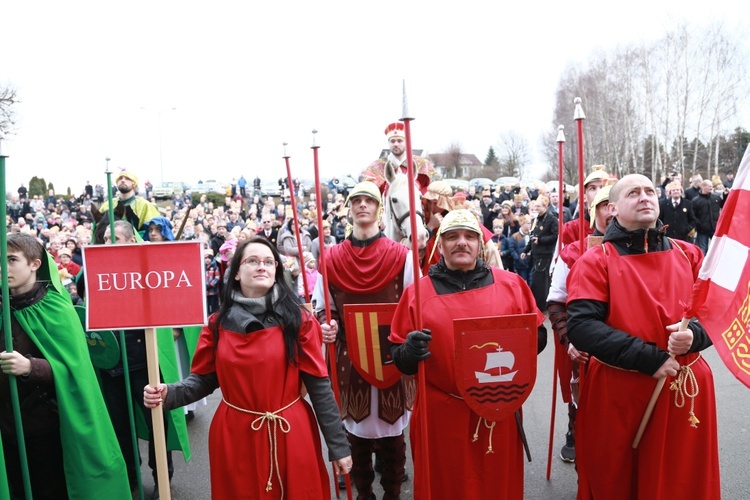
(367, 329)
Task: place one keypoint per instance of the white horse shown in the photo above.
(396, 215)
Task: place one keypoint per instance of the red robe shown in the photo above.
(570, 231)
(254, 375)
(460, 468)
(673, 459)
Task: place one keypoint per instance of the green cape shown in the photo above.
(94, 467)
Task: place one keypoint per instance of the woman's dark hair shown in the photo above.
(286, 308)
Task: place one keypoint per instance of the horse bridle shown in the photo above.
(401, 218)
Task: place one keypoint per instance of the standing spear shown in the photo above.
(9, 338)
(560, 219)
(123, 347)
(297, 233)
(421, 382)
(326, 298)
(578, 116)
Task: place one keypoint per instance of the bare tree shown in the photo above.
(656, 106)
(514, 153)
(8, 99)
(453, 163)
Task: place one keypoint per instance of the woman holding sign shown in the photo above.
(259, 348)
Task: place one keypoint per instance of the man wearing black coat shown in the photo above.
(676, 213)
(706, 207)
(541, 246)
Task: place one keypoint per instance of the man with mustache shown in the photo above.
(461, 285)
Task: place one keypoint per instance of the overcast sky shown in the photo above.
(96, 78)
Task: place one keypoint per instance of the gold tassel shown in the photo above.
(269, 486)
(693, 420)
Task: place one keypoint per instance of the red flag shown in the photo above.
(721, 295)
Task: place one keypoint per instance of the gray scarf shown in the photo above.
(255, 306)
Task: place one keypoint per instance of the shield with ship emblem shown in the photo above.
(495, 363)
(367, 329)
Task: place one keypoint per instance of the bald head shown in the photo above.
(634, 202)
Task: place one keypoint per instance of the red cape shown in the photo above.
(360, 270)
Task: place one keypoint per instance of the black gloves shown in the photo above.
(416, 348)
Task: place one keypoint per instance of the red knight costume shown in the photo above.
(620, 302)
(459, 463)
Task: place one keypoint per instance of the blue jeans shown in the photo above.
(702, 240)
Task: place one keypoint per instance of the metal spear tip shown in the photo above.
(285, 145)
(560, 133)
(315, 131)
(578, 115)
(404, 104)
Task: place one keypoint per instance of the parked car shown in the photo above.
(502, 181)
(210, 186)
(270, 188)
(480, 182)
(458, 184)
(167, 190)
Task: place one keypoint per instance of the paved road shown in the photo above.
(191, 481)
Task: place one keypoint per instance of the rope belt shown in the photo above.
(686, 385)
(279, 422)
(491, 427)
(487, 423)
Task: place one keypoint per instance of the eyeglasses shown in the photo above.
(254, 262)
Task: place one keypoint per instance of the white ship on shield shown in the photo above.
(500, 359)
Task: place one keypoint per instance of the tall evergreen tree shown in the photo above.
(492, 159)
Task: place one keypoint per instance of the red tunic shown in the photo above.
(570, 231)
(460, 468)
(254, 375)
(673, 459)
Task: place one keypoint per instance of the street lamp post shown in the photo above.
(158, 121)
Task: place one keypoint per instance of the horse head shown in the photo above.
(396, 215)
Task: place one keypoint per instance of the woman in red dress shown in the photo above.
(260, 347)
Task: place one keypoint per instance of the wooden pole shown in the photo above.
(157, 416)
(654, 397)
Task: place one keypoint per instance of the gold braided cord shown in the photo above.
(491, 426)
(686, 386)
(279, 423)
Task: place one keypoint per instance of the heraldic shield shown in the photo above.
(367, 329)
(495, 363)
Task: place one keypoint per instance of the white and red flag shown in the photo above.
(721, 295)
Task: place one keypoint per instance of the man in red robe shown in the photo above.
(591, 185)
(375, 172)
(368, 268)
(461, 285)
(625, 299)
